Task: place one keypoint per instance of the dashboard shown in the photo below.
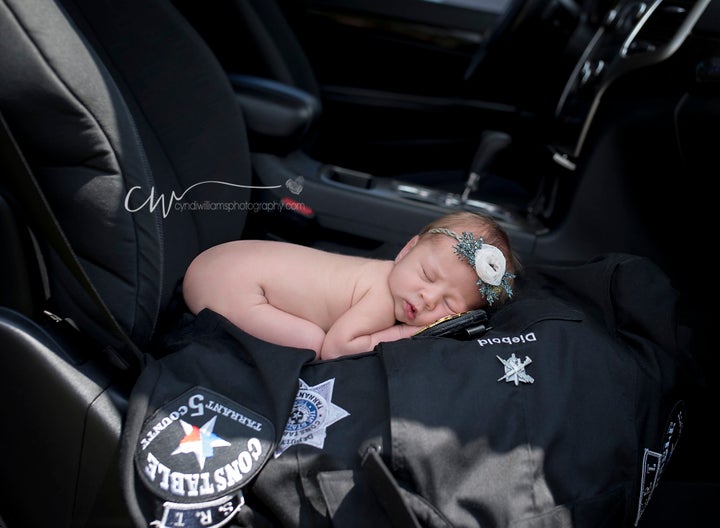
(629, 34)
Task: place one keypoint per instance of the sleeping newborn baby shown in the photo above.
(336, 305)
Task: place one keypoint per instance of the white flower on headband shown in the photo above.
(490, 264)
(487, 261)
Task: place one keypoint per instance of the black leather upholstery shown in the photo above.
(120, 109)
(134, 103)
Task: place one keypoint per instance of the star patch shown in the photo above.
(200, 449)
(515, 370)
(312, 413)
(200, 441)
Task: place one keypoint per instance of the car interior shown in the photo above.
(155, 129)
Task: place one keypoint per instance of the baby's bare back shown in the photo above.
(311, 284)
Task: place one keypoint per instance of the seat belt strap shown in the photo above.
(24, 186)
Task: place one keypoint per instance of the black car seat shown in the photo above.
(118, 109)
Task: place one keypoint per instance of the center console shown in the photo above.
(361, 205)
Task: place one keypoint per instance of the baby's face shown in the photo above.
(429, 281)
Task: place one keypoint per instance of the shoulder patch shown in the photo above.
(202, 446)
(654, 462)
(212, 514)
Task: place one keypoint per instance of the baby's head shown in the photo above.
(460, 262)
(498, 264)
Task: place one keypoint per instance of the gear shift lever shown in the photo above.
(491, 143)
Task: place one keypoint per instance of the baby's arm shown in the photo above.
(257, 317)
(369, 322)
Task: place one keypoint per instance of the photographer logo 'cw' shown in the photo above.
(200, 441)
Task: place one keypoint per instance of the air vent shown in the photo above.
(659, 28)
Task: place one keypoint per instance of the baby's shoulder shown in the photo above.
(373, 276)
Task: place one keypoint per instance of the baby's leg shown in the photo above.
(264, 321)
(226, 279)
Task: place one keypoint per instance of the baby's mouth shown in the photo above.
(410, 311)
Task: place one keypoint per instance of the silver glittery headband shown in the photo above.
(487, 261)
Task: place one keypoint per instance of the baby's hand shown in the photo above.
(366, 342)
(393, 333)
(405, 330)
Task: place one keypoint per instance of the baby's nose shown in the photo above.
(430, 297)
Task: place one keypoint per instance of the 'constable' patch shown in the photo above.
(202, 447)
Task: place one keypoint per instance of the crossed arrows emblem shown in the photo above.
(515, 370)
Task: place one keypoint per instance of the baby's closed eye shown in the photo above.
(425, 274)
(450, 305)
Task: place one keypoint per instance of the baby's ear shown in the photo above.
(405, 250)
